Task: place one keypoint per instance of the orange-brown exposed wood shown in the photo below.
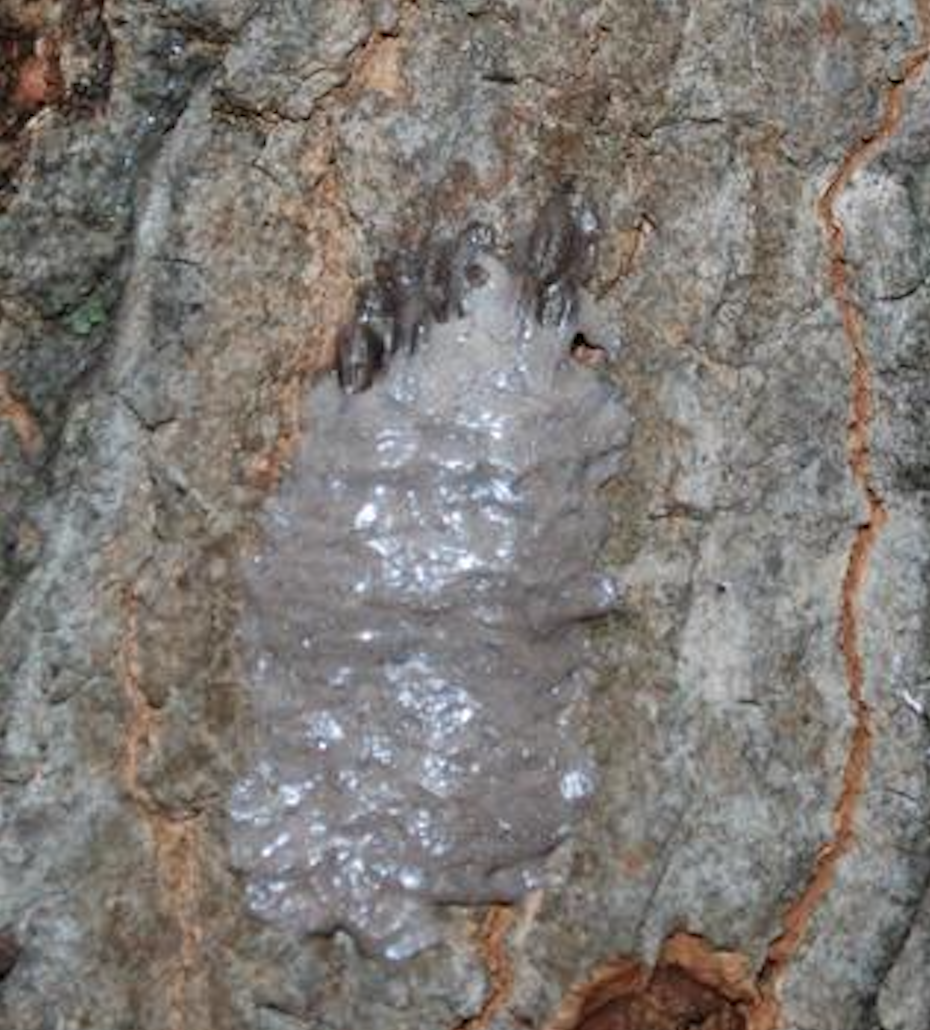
(175, 841)
(492, 942)
(692, 984)
(20, 419)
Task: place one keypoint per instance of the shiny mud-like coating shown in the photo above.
(413, 625)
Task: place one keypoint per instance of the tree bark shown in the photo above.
(189, 192)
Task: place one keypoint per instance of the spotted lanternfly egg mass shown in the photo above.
(414, 624)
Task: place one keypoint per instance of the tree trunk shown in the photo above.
(190, 191)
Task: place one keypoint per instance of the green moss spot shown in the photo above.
(84, 319)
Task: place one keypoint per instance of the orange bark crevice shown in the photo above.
(327, 220)
(175, 841)
(693, 984)
(797, 919)
(21, 420)
(492, 943)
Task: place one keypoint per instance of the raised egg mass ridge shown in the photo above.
(414, 623)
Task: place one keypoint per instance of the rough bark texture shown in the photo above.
(190, 189)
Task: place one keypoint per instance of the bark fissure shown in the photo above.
(492, 942)
(800, 914)
(692, 983)
(21, 420)
(175, 840)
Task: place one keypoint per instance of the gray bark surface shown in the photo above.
(189, 192)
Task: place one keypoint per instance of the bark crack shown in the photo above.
(797, 919)
(492, 942)
(21, 420)
(175, 839)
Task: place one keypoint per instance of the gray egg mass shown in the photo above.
(413, 630)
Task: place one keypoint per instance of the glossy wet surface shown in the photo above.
(414, 629)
